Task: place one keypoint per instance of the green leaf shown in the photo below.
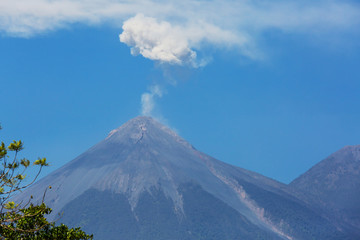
(25, 162)
(3, 150)
(20, 177)
(16, 146)
(10, 205)
(41, 161)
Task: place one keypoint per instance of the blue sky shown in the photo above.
(270, 86)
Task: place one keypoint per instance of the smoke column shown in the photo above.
(148, 100)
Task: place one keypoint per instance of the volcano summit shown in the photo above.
(145, 182)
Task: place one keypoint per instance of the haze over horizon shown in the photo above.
(269, 86)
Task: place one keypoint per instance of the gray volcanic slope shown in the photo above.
(334, 185)
(145, 182)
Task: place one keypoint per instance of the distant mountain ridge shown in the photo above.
(145, 182)
(334, 185)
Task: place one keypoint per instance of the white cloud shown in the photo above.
(190, 23)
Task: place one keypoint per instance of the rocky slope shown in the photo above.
(333, 185)
(145, 182)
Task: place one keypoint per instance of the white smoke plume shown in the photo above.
(148, 100)
(229, 24)
(176, 32)
(169, 43)
(157, 40)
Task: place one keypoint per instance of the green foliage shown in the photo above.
(30, 224)
(26, 221)
(41, 161)
(16, 146)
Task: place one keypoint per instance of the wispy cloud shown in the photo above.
(193, 23)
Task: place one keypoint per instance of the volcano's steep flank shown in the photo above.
(145, 182)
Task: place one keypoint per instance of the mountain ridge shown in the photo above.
(333, 185)
(143, 158)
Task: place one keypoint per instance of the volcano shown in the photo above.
(145, 182)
